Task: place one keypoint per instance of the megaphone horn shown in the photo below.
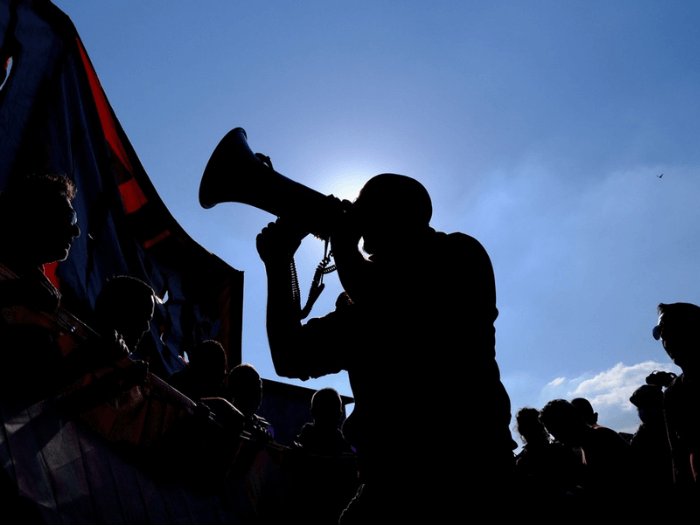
(235, 174)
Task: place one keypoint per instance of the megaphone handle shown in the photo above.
(265, 160)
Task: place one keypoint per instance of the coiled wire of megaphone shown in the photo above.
(235, 174)
(317, 284)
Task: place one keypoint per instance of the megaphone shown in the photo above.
(235, 174)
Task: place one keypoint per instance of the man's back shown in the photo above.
(421, 359)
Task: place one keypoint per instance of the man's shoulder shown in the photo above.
(681, 394)
(179, 378)
(458, 246)
(675, 388)
(608, 435)
(458, 241)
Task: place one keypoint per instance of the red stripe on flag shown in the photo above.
(50, 272)
(155, 240)
(132, 196)
(104, 111)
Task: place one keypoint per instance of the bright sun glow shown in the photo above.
(344, 184)
(344, 179)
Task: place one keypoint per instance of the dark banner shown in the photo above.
(55, 117)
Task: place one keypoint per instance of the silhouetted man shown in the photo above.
(417, 338)
(606, 455)
(205, 373)
(679, 331)
(245, 390)
(590, 416)
(39, 225)
(323, 435)
(203, 381)
(123, 313)
(650, 443)
(125, 305)
(546, 470)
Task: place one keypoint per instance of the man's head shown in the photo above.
(529, 426)
(208, 359)
(245, 389)
(326, 407)
(679, 331)
(38, 218)
(125, 305)
(565, 422)
(590, 416)
(390, 210)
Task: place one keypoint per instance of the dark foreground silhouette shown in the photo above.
(420, 298)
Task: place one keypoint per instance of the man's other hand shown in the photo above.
(279, 241)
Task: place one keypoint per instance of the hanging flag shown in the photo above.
(55, 117)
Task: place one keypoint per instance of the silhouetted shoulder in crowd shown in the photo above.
(245, 391)
(678, 329)
(420, 299)
(323, 436)
(39, 226)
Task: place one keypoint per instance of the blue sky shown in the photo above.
(540, 128)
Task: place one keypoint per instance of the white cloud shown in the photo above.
(608, 391)
(558, 381)
(615, 386)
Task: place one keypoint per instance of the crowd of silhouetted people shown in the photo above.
(575, 463)
(572, 462)
(431, 425)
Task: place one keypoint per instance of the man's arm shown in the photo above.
(276, 245)
(34, 291)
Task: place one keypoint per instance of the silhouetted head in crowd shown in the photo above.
(39, 222)
(391, 210)
(649, 402)
(326, 408)
(565, 422)
(245, 389)
(530, 427)
(125, 305)
(646, 397)
(589, 416)
(678, 329)
(649, 398)
(208, 359)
